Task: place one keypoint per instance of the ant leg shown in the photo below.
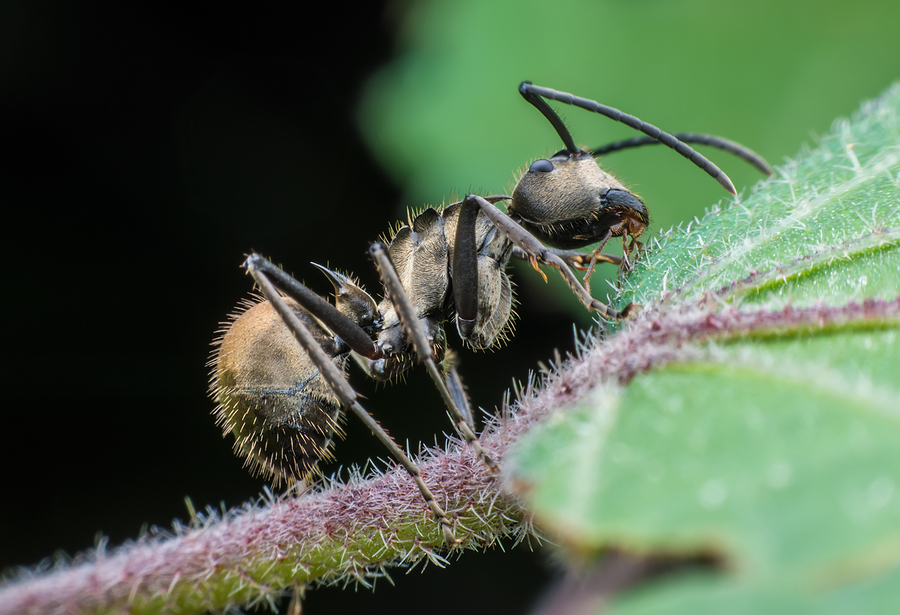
(536, 252)
(344, 391)
(573, 258)
(626, 264)
(416, 334)
(627, 248)
(457, 388)
(342, 326)
(594, 257)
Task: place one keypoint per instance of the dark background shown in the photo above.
(146, 150)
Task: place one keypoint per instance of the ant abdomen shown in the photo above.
(271, 397)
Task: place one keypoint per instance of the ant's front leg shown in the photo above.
(536, 252)
(574, 258)
(634, 246)
(344, 327)
(582, 261)
(598, 251)
(416, 334)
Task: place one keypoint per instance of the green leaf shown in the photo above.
(444, 117)
(827, 229)
(762, 422)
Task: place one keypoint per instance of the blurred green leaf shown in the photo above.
(444, 117)
(769, 442)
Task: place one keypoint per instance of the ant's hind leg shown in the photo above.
(339, 385)
(416, 334)
(341, 325)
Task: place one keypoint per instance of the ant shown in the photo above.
(282, 399)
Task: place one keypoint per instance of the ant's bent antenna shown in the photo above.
(731, 147)
(525, 90)
(532, 92)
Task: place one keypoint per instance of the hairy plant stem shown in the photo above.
(347, 532)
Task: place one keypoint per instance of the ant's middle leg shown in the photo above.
(416, 334)
(261, 269)
(457, 388)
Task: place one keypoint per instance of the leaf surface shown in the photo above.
(761, 425)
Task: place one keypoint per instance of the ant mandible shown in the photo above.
(282, 399)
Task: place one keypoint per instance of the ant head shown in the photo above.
(568, 201)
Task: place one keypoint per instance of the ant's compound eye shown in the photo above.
(540, 166)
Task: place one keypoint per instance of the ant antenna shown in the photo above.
(731, 147)
(531, 93)
(525, 90)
